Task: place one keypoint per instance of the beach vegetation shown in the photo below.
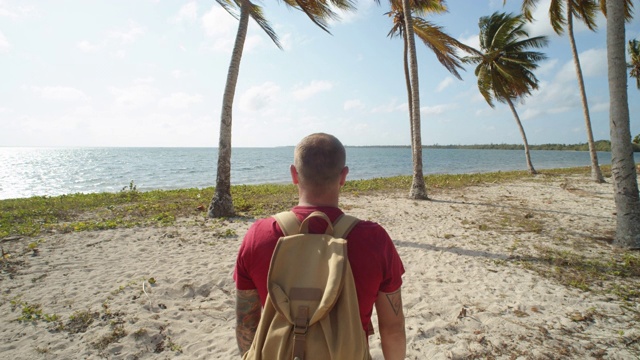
(116, 333)
(42, 350)
(588, 274)
(505, 65)
(32, 312)
(87, 212)
(80, 321)
(140, 333)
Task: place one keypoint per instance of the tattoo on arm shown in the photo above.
(247, 317)
(395, 300)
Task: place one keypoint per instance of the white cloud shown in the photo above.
(472, 41)
(305, 92)
(88, 47)
(345, 17)
(59, 93)
(18, 12)
(128, 35)
(444, 83)
(178, 74)
(389, 107)
(221, 28)
(435, 110)
(258, 98)
(594, 62)
(353, 104)
(218, 22)
(119, 54)
(180, 100)
(137, 95)
(4, 43)
(546, 67)
(540, 24)
(600, 107)
(187, 13)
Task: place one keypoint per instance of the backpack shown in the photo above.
(311, 311)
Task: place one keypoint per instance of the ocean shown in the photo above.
(26, 172)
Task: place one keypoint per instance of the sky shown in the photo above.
(79, 73)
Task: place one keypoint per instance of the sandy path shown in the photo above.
(467, 293)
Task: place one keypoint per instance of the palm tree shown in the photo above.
(634, 65)
(623, 169)
(318, 11)
(505, 68)
(561, 14)
(442, 45)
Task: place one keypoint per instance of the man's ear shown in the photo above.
(343, 175)
(294, 174)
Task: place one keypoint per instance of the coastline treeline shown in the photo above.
(601, 145)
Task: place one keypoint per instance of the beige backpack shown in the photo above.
(311, 311)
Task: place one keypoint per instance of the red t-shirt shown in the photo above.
(375, 263)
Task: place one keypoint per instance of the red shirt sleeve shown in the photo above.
(393, 269)
(241, 274)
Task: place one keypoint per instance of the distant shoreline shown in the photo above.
(601, 145)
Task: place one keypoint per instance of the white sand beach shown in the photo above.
(470, 291)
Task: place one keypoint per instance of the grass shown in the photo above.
(609, 276)
(130, 208)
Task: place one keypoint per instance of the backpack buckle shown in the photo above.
(302, 321)
(300, 332)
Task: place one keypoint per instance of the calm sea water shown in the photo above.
(26, 172)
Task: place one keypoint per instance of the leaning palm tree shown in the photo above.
(505, 67)
(634, 65)
(444, 47)
(561, 14)
(319, 11)
(623, 168)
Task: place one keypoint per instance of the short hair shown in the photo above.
(319, 159)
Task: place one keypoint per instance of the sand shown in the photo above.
(469, 290)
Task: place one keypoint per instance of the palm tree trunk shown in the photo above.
(532, 171)
(221, 204)
(596, 174)
(407, 79)
(418, 188)
(623, 168)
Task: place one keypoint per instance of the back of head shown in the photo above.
(319, 159)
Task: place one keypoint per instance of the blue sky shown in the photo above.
(152, 73)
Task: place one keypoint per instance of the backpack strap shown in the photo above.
(344, 225)
(290, 225)
(288, 222)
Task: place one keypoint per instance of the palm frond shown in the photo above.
(528, 6)
(585, 10)
(556, 16)
(256, 13)
(320, 11)
(442, 45)
(505, 70)
(231, 7)
(634, 65)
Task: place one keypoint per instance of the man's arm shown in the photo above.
(391, 325)
(247, 317)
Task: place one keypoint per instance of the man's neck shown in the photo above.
(302, 202)
(328, 200)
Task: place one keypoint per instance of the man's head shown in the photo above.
(319, 161)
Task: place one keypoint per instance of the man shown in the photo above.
(319, 171)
